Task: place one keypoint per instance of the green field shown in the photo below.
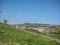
(13, 36)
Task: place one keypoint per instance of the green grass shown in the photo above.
(12, 35)
(53, 35)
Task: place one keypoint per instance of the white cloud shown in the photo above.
(11, 23)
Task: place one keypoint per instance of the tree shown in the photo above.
(5, 21)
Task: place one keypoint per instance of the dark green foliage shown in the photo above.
(5, 21)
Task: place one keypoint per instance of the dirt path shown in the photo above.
(57, 40)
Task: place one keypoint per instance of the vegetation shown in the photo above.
(55, 36)
(5, 21)
(13, 36)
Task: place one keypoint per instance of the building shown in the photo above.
(38, 28)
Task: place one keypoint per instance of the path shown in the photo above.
(57, 40)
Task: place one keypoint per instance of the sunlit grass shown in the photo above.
(12, 35)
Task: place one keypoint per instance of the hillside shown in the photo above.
(12, 36)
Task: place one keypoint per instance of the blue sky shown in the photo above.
(30, 11)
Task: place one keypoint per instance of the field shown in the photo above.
(12, 36)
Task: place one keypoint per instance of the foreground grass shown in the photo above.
(12, 35)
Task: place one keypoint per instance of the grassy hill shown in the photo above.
(12, 36)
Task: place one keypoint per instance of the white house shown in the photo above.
(41, 29)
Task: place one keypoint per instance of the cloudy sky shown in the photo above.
(30, 11)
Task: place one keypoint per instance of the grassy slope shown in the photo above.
(10, 35)
(53, 35)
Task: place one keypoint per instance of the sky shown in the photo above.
(30, 11)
